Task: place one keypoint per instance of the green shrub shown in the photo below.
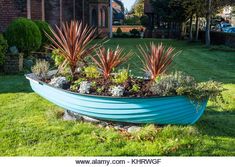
(219, 38)
(44, 27)
(202, 90)
(24, 34)
(165, 86)
(180, 84)
(119, 31)
(91, 72)
(3, 49)
(135, 20)
(135, 33)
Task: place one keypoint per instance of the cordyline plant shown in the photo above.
(108, 59)
(71, 41)
(156, 59)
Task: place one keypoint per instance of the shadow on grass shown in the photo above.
(14, 84)
(217, 124)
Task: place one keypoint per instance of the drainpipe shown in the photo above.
(29, 9)
(110, 19)
(61, 11)
(43, 10)
(83, 14)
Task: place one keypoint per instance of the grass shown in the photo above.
(32, 126)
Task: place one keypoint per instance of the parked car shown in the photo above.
(223, 26)
(231, 30)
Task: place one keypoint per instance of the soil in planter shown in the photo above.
(105, 86)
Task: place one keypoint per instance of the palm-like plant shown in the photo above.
(71, 41)
(156, 59)
(108, 59)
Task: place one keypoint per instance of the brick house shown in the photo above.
(92, 12)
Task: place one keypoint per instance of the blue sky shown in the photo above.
(128, 3)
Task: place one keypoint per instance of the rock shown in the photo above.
(133, 129)
(117, 127)
(51, 73)
(89, 119)
(126, 127)
(59, 82)
(103, 124)
(14, 50)
(79, 70)
(28, 63)
(85, 87)
(147, 75)
(69, 117)
(108, 127)
(117, 91)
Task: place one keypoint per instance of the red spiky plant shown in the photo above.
(156, 59)
(72, 40)
(108, 59)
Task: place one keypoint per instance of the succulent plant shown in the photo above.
(91, 72)
(41, 68)
(85, 87)
(108, 59)
(117, 91)
(72, 42)
(156, 59)
(121, 77)
(135, 88)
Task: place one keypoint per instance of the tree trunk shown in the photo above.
(191, 28)
(182, 30)
(197, 27)
(208, 24)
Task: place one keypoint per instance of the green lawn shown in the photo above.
(32, 126)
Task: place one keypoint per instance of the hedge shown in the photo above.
(219, 38)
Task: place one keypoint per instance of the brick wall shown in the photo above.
(52, 12)
(127, 28)
(10, 10)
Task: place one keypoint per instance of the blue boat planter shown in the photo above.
(157, 110)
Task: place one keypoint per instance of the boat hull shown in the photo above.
(157, 110)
